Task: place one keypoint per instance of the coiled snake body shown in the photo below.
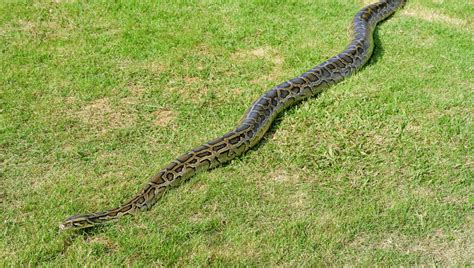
(256, 120)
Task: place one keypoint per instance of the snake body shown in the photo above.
(256, 120)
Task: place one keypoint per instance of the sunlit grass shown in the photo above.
(97, 97)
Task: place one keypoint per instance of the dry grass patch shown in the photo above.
(103, 241)
(230, 253)
(430, 15)
(63, 1)
(190, 88)
(48, 28)
(189, 80)
(299, 204)
(284, 176)
(136, 89)
(137, 92)
(155, 67)
(453, 248)
(100, 114)
(426, 14)
(266, 53)
(448, 249)
(163, 117)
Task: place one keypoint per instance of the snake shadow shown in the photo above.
(378, 52)
(70, 236)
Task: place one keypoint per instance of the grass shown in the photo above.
(97, 96)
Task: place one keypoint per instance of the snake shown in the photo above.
(256, 120)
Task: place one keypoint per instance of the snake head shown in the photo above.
(77, 222)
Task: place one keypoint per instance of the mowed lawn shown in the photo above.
(96, 97)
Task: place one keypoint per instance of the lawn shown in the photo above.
(97, 96)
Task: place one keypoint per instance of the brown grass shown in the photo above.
(100, 115)
(431, 15)
(163, 117)
(266, 53)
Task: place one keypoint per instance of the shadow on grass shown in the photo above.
(71, 235)
(378, 52)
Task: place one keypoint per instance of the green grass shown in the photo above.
(97, 97)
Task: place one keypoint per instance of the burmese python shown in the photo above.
(257, 119)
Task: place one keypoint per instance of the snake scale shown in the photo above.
(256, 120)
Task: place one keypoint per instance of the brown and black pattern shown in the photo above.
(256, 120)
